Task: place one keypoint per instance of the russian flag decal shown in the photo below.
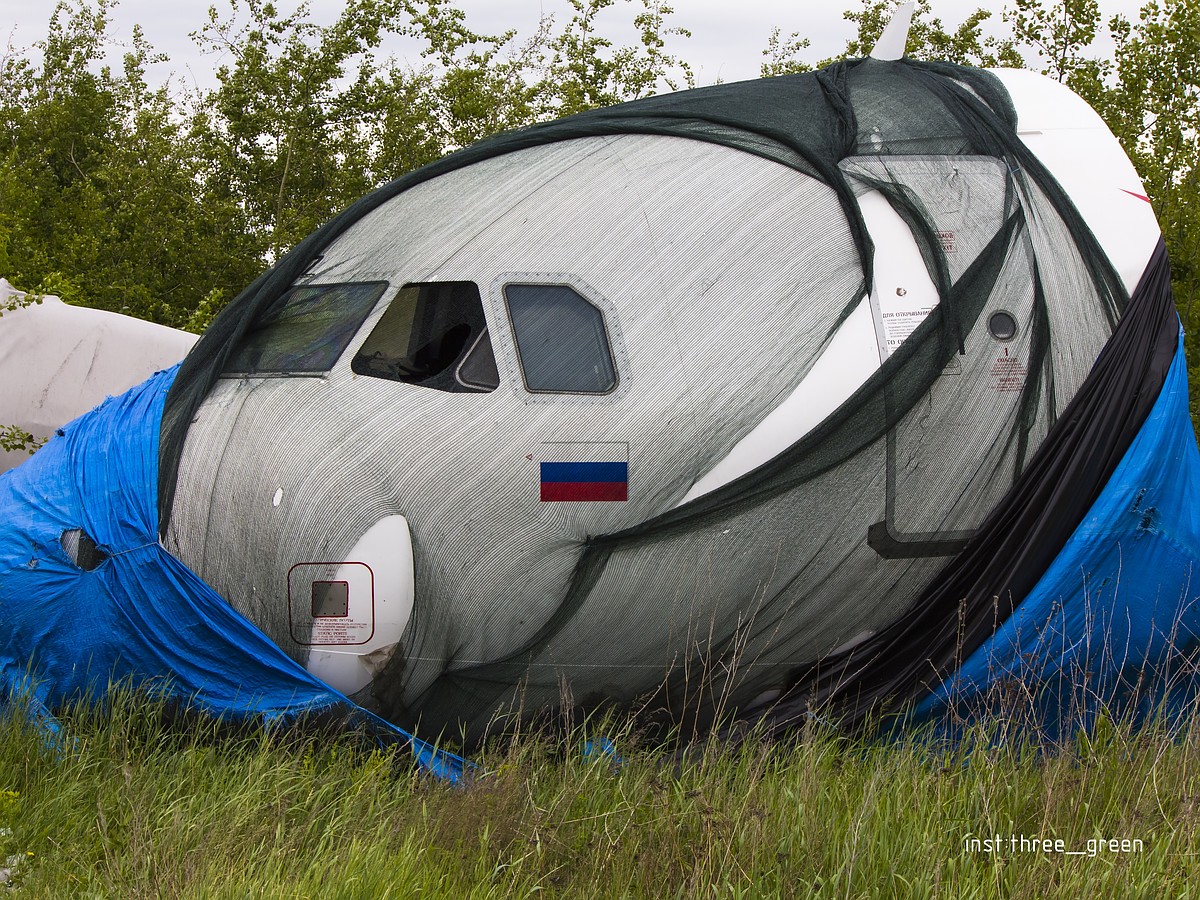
(584, 472)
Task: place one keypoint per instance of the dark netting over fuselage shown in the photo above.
(843, 528)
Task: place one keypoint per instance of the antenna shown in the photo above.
(895, 36)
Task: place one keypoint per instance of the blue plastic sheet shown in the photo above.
(141, 617)
(1113, 626)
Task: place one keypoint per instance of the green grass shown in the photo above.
(133, 808)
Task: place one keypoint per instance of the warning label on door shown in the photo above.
(331, 604)
(1008, 374)
(898, 324)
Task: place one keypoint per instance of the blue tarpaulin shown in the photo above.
(1113, 627)
(140, 617)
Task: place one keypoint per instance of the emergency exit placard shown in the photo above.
(331, 604)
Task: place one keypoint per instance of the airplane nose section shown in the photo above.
(350, 613)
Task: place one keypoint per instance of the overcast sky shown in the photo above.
(728, 36)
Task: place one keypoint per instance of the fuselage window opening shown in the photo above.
(434, 335)
(306, 330)
(562, 343)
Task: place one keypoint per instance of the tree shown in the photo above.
(100, 190)
(783, 55)
(584, 72)
(283, 130)
(1060, 37)
(929, 38)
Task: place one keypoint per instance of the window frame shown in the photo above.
(507, 352)
(486, 334)
(384, 291)
(372, 322)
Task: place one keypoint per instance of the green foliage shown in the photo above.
(307, 118)
(928, 38)
(1060, 35)
(18, 300)
(583, 72)
(133, 806)
(99, 183)
(783, 55)
(205, 312)
(13, 438)
(282, 130)
(12, 860)
(1154, 109)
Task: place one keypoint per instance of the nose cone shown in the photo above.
(351, 615)
(591, 367)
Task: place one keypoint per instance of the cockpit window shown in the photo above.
(561, 340)
(306, 331)
(434, 335)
